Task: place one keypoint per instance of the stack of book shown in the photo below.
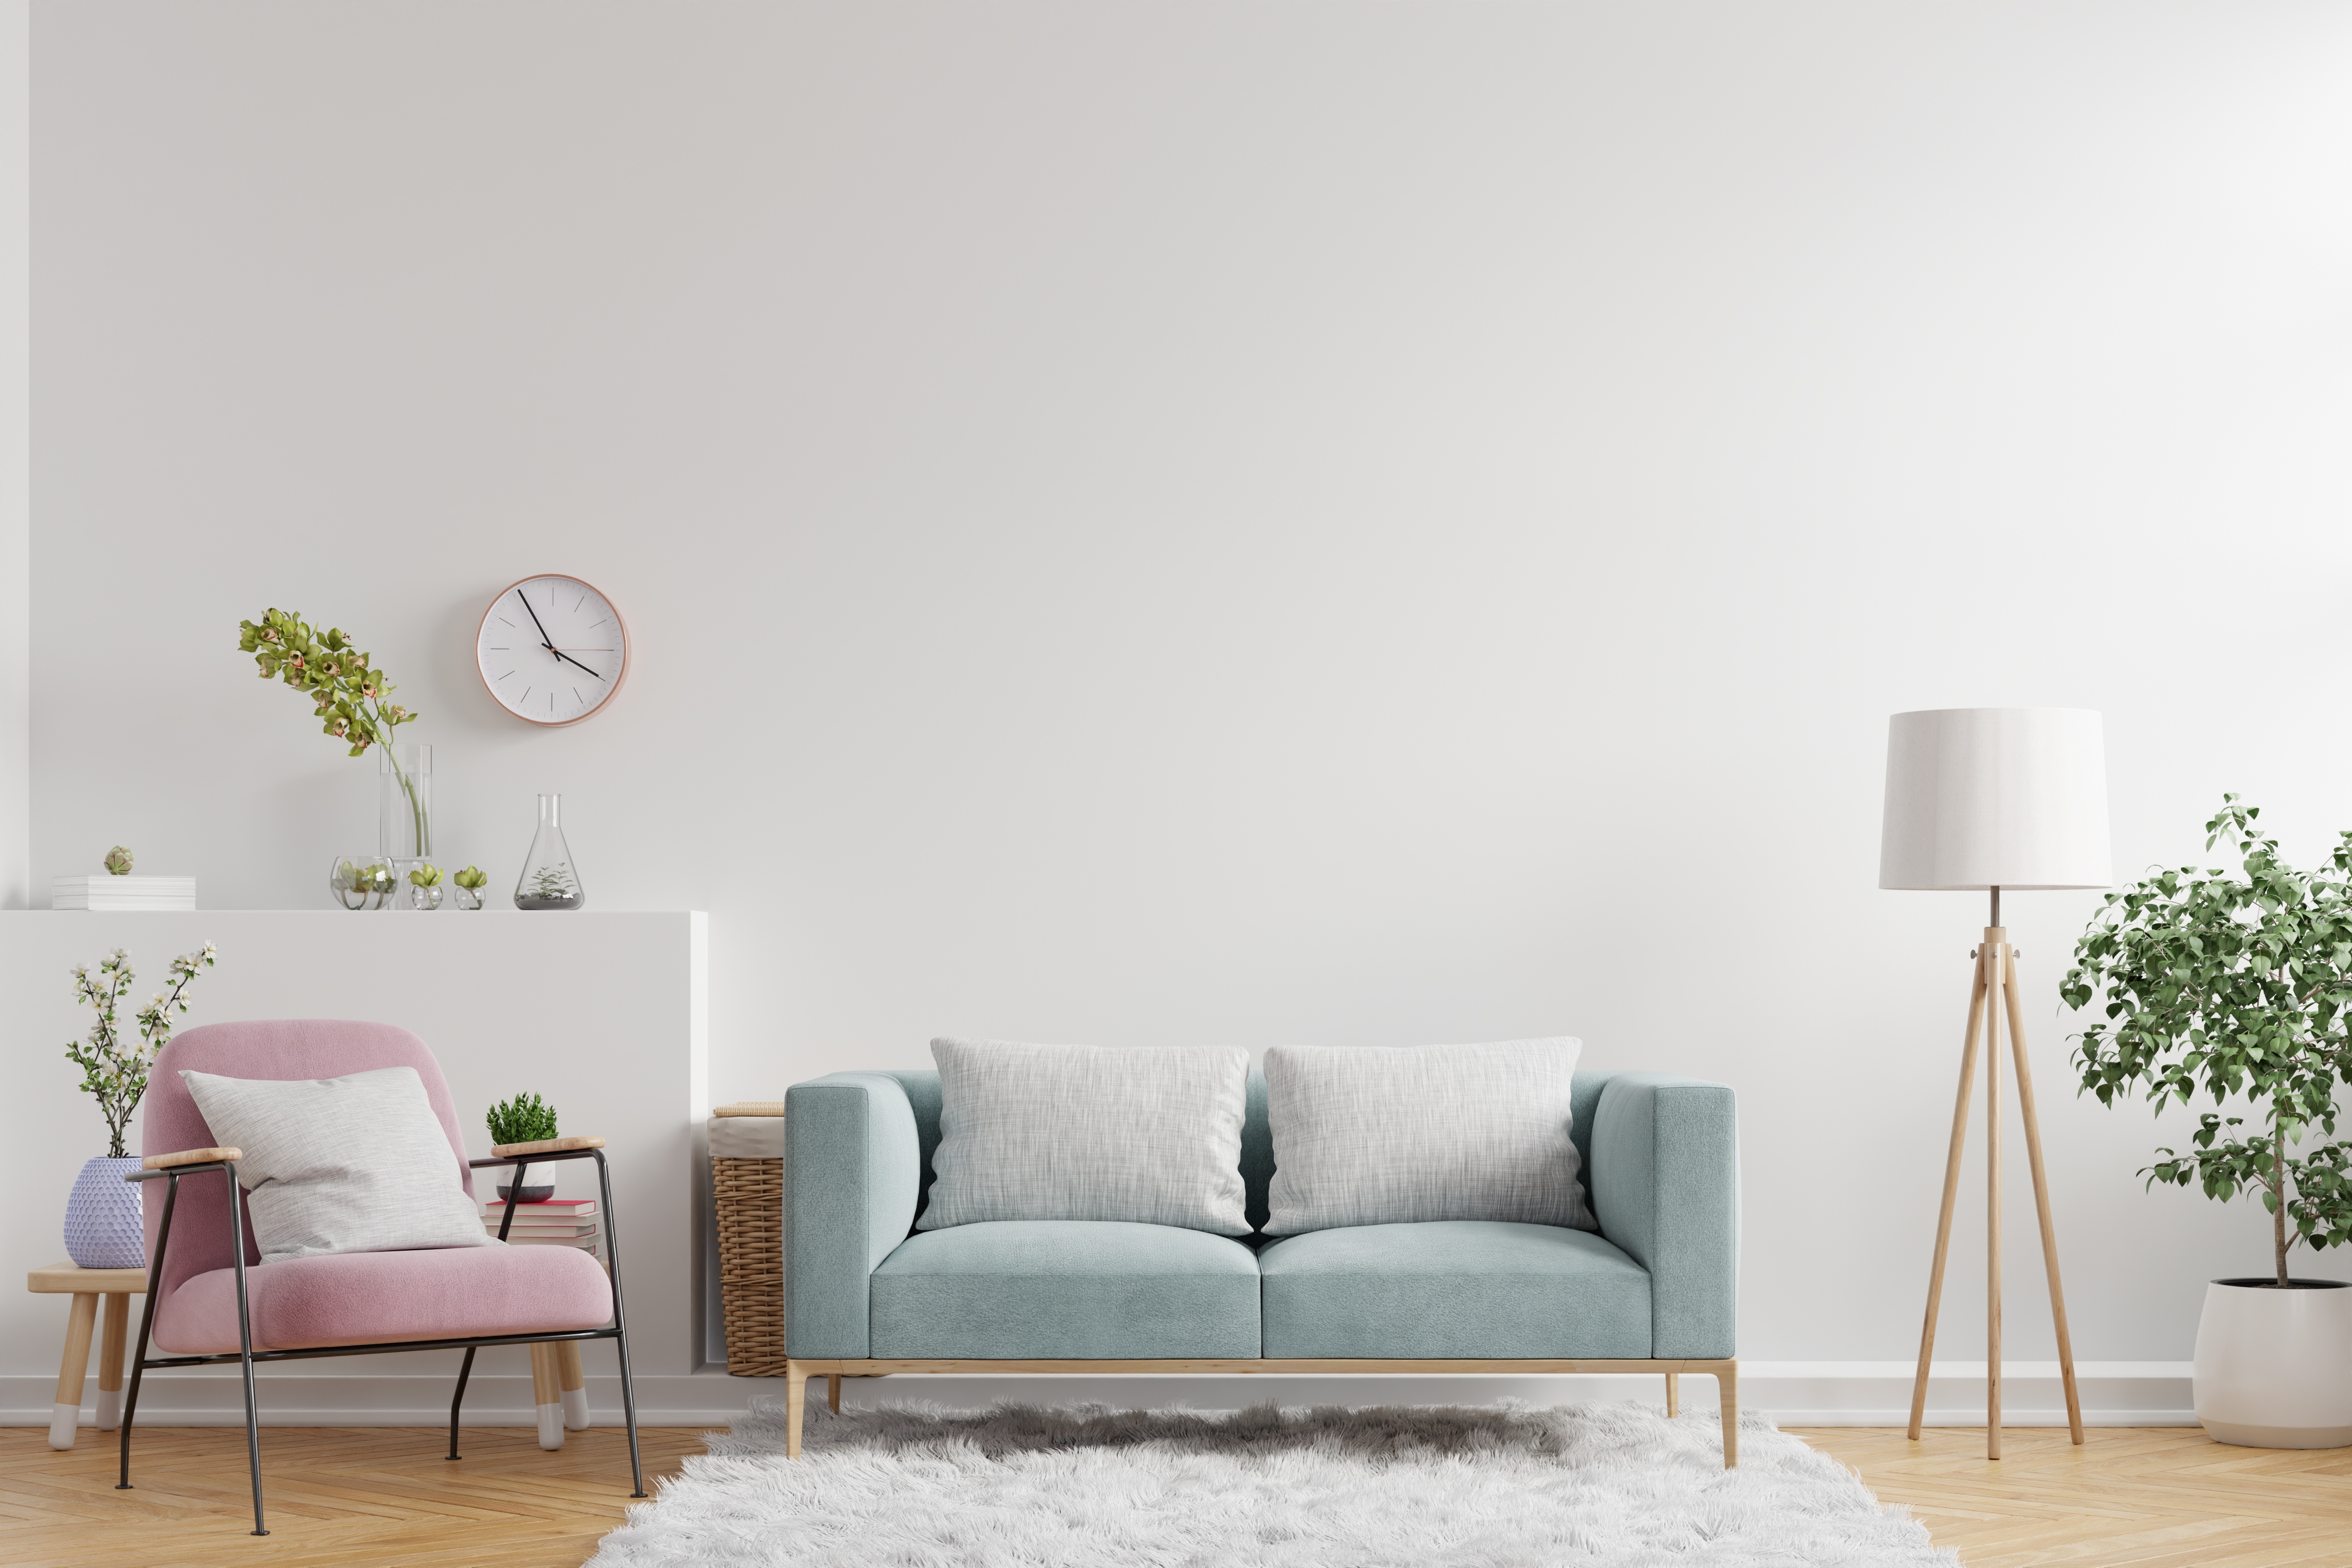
(558, 1222)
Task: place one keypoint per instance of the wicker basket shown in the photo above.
(750, 1197)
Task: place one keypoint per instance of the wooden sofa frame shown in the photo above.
(799, 1370)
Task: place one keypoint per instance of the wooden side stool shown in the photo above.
(86, 1285)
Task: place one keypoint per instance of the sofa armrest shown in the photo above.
(851, 1167)
(1665, 1188)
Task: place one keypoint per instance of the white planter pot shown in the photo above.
(2275, 1367)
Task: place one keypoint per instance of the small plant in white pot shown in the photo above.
(2239, 989)
(103, 1225)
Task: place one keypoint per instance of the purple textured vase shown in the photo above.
(104, 1227)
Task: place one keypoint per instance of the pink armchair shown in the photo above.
(210, 1299)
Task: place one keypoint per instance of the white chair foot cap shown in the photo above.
(63, 1419)
(550, 1425)
(110, 1409)
(575, 1409)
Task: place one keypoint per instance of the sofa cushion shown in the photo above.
(386, 1297)
(1006, 1290)
(1453, 1287)
(1396, 1135)
(1151, 1134)
(922, 1091)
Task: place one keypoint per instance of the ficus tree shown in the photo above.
(2237, 988)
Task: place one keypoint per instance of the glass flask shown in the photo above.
(550, 880)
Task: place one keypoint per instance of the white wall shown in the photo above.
(1250, 522)
(16, 430)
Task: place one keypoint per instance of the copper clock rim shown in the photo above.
(618, 681)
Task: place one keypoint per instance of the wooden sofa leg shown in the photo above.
(833, 1392)
(1673, 1395)
(795, 1405)
(1727, 1382)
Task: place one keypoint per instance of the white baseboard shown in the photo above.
(1793, 1393)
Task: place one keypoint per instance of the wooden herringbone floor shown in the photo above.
(2151, 1497)
(382, 1497)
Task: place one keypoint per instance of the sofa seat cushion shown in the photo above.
(384, 1298)
(1448, 1288)
(1064, 1289)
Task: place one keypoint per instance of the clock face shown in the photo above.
(552, 649)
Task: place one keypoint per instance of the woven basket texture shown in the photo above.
(750, 1201)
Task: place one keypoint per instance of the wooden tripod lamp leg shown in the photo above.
(1995, 945)
(1951, 1194)
(2041, 1201)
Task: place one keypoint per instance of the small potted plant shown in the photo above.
(2238, 990)
(103, 1228)
(467, 891)
(424, 887)
(525, 1119)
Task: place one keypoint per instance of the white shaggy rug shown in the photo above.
(1043, 1486)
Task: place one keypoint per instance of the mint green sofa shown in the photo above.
(1655, 1292)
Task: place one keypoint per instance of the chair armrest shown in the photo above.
(543, 1146)
(1666, 1188)
(852, 1165)
(191, 1157)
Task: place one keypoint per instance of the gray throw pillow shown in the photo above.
(1382, 1135)
(1151, 1134)
(357, 1163)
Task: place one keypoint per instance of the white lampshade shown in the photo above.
(1985, 797)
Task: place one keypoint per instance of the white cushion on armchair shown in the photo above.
(356, 1163)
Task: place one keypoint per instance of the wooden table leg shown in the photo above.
(574, 1382)
(65, 1414)
(547, 1396)
(109, 1360)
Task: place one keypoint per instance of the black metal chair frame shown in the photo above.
(246, 1355)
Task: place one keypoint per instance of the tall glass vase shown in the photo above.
(405, 804)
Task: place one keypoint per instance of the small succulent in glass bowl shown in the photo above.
(466, 892)
(424, 887)
(362, 881)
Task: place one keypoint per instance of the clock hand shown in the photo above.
(568, 660)
(544, 640)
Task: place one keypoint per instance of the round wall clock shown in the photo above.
(552, 649)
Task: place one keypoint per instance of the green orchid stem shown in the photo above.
(415, 807)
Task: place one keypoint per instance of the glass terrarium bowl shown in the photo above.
(362, 881)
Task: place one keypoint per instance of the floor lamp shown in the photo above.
(1982, 799)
